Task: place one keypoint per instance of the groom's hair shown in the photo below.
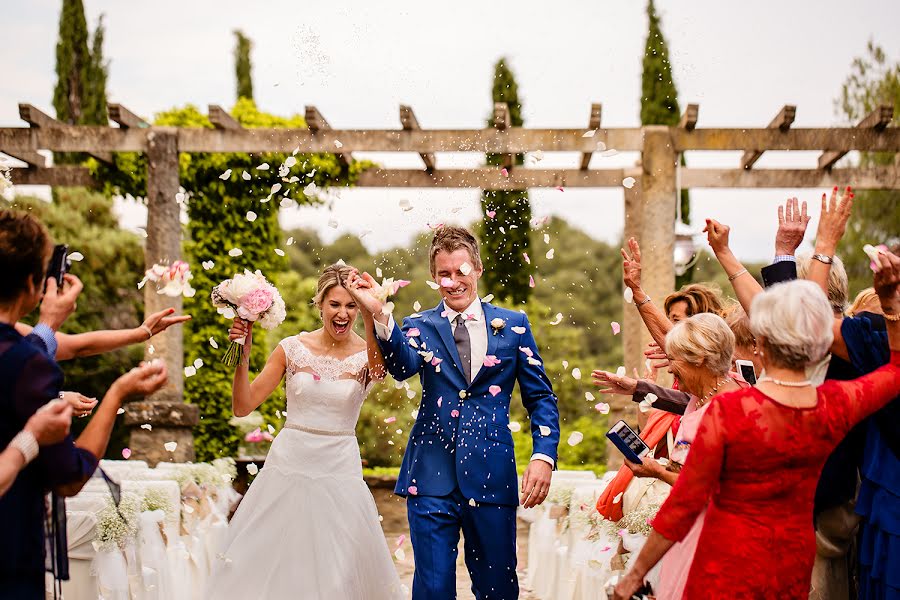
(450, 238)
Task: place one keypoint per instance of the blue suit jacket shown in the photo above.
(461, 436)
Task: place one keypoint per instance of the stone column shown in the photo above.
(165, 411)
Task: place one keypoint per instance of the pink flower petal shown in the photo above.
(412, 490)
(490, 360)
(413, 332)
(454, 413)
(390, 419)
(530, 281)
(528, 260)
(492, 213)
(436, 361)
(616, 328)
(602, 408)
(560, 188)
(504, 172)
(126, 453)
(494, 390)
(400, 540)
(440, 401)
(526, 351)
(447, 282)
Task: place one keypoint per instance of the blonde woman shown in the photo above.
(308, 526)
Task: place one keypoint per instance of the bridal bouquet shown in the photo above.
(251, 297)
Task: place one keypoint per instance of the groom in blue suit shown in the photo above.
(459, 470)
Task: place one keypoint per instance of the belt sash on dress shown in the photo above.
(313, 430)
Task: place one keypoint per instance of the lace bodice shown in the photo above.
(323, 392)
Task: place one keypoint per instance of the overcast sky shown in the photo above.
(358, 61)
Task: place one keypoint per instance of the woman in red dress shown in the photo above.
(757, 455)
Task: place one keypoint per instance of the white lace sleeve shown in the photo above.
(295, 357)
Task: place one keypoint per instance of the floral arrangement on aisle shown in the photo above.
(251, 297)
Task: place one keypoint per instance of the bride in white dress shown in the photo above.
(308, 527)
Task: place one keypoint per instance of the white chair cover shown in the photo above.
(81, 528)
(112, 575)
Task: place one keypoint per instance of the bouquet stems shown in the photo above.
(233, 354)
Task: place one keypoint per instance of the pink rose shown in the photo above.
(256, 302)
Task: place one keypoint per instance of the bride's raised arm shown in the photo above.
(359, 287)
(246, 396)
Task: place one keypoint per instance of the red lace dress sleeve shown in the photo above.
(698, 479)
(854, 400)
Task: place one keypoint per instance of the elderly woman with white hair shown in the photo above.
(756, 458)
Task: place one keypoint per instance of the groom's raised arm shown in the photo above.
(401, 360)
(537, 396)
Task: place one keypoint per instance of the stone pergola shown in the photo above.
(650, 205)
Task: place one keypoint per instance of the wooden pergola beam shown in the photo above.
(593, 125)
(490, 178)
(124, 117)
(318, 125)
(220, 118)
(410, 123)
(870, 178)
(688, 120)
(782, 122)
(84, 138)
(33, 159)
(41, 120)
(65, 176)
(877, 120)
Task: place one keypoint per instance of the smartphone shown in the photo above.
(59, 265)
(747, 371)
(627, 441)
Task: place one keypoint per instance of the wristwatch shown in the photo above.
(823, 258)
(26, 443)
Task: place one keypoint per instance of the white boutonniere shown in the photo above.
(497, 324)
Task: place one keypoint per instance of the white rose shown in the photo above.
(498, 323)
(241, 285)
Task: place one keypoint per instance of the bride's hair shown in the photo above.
(333, 275)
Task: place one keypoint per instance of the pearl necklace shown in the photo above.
(796, 384)
(712, 392)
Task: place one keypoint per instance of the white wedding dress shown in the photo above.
(308, 527)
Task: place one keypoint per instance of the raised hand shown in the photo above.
(360, 287)
(792, 222)
(886, 279)
(142, 380)
(58, 304)
(610, 383)
(81, 405)
(833, 220)
(717, 236)
(631, 265)
(241, 328)
(51, 423)
(162, 320)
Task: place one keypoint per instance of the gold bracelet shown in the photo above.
(736, 275)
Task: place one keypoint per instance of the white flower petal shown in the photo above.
(213, 343)
(225, 175)
(629, 295)
(170, 446)
(576, 373)
(628, 182)
(550, 254)
(75, 256)
(252, 468)
(251, 216)
(279, 251)
(544, 430)
(235, 252)
(575, 438)
(190, 371)
(515, 426)
(245, 176)
(263, 167)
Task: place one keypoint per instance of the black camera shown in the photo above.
(59, 265)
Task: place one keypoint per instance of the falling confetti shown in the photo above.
(546, 238)
(263, 167)
(550, 254)
(121, 411)
(454, 413)
(616, 328)
(519, 330)
(289, 241)
(190, 371)
(491, 214)
(208, 264)
(618, 498)
(589, 396)
(620, 372)
(170, 446)
(557, 319)
(245, 176)
(225, 175)
(589, 134)
(235, 252)
(494, 390)
(75, 256)
(491, 361)
(252, 469)
(504, 171)
(390, 419)
(515, 426)
(629, 295)
(575, 438)
(147, 426)
(602, 408)
(465, 268)
(213, 343)
(488, 298)
(576, 373)
(198, 363)
(531, 281)
(628, 182)
(279, 251)
(526, 257)
(126, 453)
(251, 216)
(413, 332)
(544, 430)
(338, 144)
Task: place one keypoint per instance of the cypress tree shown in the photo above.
(242, 65)
(94, 110)
(505, 236)
(659, 96)
(72, 65)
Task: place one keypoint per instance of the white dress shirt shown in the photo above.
(478, 339)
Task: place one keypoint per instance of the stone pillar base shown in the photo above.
(169, 422)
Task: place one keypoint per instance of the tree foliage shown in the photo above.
(218, 199)
(505, 236)
(79, 97)
(874, 79)
(242, 65)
